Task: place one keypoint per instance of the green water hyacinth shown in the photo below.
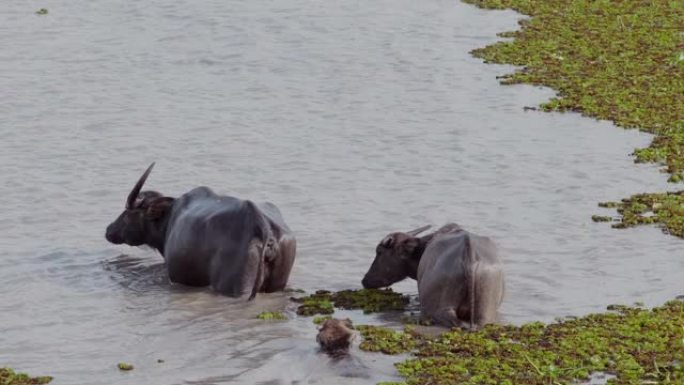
(271, 316)
(125, 366)
(636, 345)
(368, 300)
(318, 320)
(10, 377)
(612, 60)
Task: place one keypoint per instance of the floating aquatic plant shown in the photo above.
(271, 316)
(664, 209)
(636, 345)
(124, 366)
(317, 303)
(601, 218)
(368, 300)
(614, 60)
(42, 11)
(10, 377)
(320, 319)
(388, 341)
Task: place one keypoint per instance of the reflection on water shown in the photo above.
(355, 118)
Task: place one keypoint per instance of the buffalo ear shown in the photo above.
(158, 208)
(409, 245)
(388, 241)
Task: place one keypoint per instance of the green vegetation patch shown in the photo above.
(42, 11)
(317, 303)
(388, 341)
(124, 366)
(320, 319)
(10, 377)
(271, 316)
(601, 218)
(664, 209)
(638, 346)
(368, 300)
(617, 60)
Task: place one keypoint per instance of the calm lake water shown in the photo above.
(355, 118)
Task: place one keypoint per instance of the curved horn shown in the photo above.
(418, 230)
(136, 189)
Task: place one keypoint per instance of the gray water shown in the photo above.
(355, 118)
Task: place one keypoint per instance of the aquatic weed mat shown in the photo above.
(368, 300)
(616, 60)
(10, 377)
(637, 346)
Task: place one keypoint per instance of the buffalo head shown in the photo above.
(142, 221)
(395, 259)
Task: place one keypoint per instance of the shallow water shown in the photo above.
(355, 118)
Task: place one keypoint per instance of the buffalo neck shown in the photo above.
(414, 261)
(157, 232)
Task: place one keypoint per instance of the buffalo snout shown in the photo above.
(365, 283)
(112, 235)
(373, 283)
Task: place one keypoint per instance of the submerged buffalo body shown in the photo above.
(459, 274)
(235, 246)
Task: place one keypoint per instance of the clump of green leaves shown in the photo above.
(125, 366)
(388, 341)
(368, 300)
(601, 218)
(271, 316)
(320, 319)
(664, 209)
(10, 377)
(317, 303)
(636, 345)
(42, 11)
(614, 60)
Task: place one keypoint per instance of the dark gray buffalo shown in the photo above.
(234, 245)
(460, 280)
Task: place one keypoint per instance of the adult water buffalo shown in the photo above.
(234, 245)
(460, 280)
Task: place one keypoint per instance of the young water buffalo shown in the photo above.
(234, 245)
(335, 336)
(459, 274)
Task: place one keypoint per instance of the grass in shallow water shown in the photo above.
(638, 346)
(617, 60)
